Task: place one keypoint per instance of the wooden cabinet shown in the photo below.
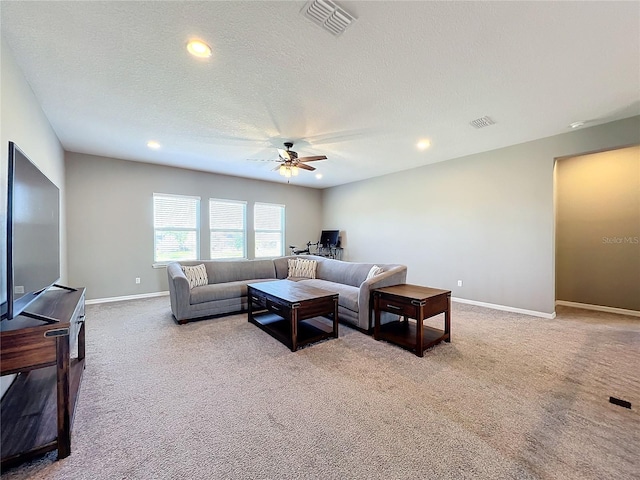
(37, 409)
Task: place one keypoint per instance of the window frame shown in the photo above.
(244, 227)
(175, 229)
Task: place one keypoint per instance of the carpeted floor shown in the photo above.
(511, 397)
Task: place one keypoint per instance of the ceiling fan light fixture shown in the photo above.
(285, 171)
(291, 164)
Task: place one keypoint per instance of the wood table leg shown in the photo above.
(447, 321)
(64, 404)
(376, 321)
(294, 329)
(420, 332)
(370, 314)
(249, 305)
(335, 317)
(81, 340)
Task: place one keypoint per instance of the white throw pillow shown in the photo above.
(301, 267)
(306, 268)
(293, 262)
(197, 275)
(375, 270)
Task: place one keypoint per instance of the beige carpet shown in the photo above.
(511, 397)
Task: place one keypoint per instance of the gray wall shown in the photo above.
(485, 219)
(110, 212)
(598, 229)
(23, 122)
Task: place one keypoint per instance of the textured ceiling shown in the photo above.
(112, 75)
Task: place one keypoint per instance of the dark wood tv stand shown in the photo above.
(37, 409)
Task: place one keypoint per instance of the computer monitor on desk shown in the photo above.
(329, 238)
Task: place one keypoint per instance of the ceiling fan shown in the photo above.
(290, 163)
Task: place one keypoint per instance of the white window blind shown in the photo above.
(268, 221)
(228, 228)
(176, 227)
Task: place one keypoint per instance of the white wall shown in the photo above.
(485, 219)
(110, 212)
(23, 122)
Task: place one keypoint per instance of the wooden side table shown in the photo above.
(419, 303)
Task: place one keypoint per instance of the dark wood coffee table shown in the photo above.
(293, 313)
(412, 301)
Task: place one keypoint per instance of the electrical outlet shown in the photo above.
(18, 289)
(137, 279)
(459, 283)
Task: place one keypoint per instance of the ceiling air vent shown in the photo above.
(481, 122)
(328, 15)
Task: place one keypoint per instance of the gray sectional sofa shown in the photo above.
(226, 291)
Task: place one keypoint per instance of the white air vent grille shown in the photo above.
(481, 122)
(328, 15)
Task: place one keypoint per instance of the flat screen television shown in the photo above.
(329, 238)
(33, 233)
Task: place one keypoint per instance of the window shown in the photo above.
(175, 227)
(268, 221)
(228, 228)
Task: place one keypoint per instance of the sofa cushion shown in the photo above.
(235, 270)
(222, 291)
(293, 268)
(375, 270)
(348, 295)
(196, 274)
(346, 273)
(302, 268)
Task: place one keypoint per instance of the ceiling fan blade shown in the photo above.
(305, 167)
(284, 154)
(277, 168)
(312, 159)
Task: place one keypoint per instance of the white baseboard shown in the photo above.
(504, 308)
(126, 297)
(599, 308)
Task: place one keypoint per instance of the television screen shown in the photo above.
(329, 238)
(33, 232)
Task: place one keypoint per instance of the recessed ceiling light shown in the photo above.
(153, 144)
(199, 49)
(423, 144)
(576, 124)
(318, 176)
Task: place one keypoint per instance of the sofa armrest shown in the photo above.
(179, 292)
(394, 276)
